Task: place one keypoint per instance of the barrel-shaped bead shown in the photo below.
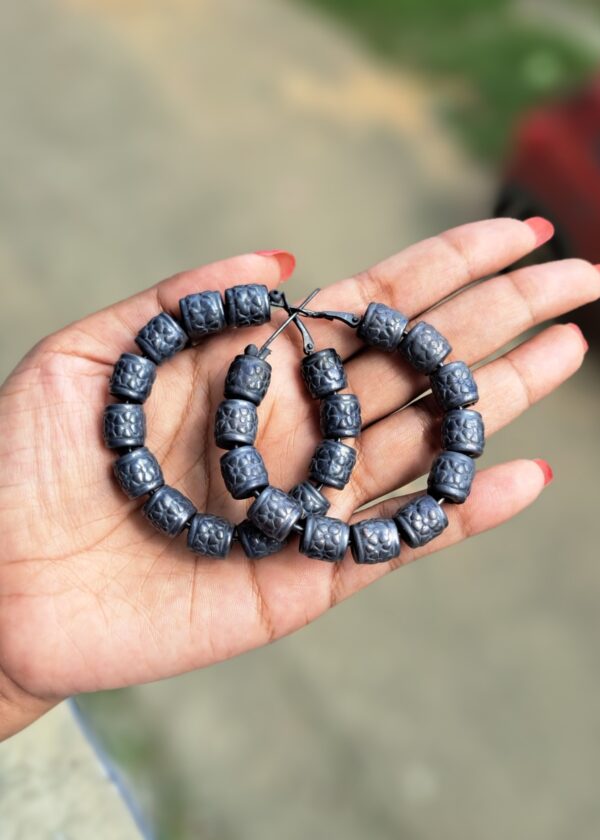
(161, 338)
(374, 541)
(325, 538)
(463, 431)
(382, 327)
(202, 314)
(247, 306)
(453, 386)
(340, 416)
(168, 510)
(311, 500)
(138, 473)
(424, 347)
(332, 464)
(275, 513)
(248, 378)
(451, 477)
(243, 471)
(255, 543)
(236, 423)
(124, 425)
(420, 521)
(323, 373)
(132, 378)
(210, 535)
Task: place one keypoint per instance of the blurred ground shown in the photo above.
(456, 699)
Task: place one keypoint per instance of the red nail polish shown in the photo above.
(542, 228)
(546, 470)
(287, 261)
(582, 338)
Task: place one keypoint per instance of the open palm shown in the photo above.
(91, 597)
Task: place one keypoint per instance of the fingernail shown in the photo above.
(546, 470)
(287, 261)
(542, 228)
(582, 338)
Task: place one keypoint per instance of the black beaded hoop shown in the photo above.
(275, 514)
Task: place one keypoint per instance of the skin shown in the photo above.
(91, 597)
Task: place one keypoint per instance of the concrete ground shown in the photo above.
(455, 699)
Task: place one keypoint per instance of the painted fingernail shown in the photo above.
(582, 338)
(287, 261)
(542, 228)
(546, 470)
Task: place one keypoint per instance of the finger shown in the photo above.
(425, 273)
(477, 323)
(401, 447)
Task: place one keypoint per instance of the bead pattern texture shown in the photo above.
(382, 327)
(161, 338)
(332, 464)
(247, 306)
(325, 538)
(420, 521)
(124, 425)
(255, 543)
(202, 314)
(323, 373)
(424, 347)
(236, 422)
(210, 535)
(453, 386)
(275, 513)
(374, 541)
(340, 416)
(451, 477)
(463, 431)
(243, 471)
(168, 511)
(138, 473)
(132, 378)
(310, 499)
(248, 378)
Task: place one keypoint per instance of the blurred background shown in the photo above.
(458, 699)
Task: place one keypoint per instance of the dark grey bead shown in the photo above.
(332, 464)
(340, 416)
(248, 378)
(420, 521)
(133, 378)
(210, 535)
(311, 500)
(202, 314)
(247, 306)
(325, 538)
(275, 513)
(382, 326)
(243, 471)
(255, 543)
(161, 338)
(124, 425)
(453, 386)
(463, 431)
(168, 510)
(374, 541)
(236, 422)
(451, 477)
(424, 347)
(323, 373)
(138, 473)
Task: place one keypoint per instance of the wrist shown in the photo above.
(18, 708)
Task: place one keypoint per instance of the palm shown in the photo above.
(92, 597)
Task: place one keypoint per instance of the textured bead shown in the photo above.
(340, 416)
(124, 425)
(168, 510)
(325, 538)
(311, 500)
(382, 326)
(236, 422)
(243, 471)
(202, 314)
(138, 473)
(133, 378)
(161, 338)
(451, 477)
(323, 373)
(453, 386)
(248, 378)
(424, 347)
(210, 535)
(255, 543)
(463, 431)
(374, 540)
(275, 513)
(332, 464)
(420, 521)
(247, 306)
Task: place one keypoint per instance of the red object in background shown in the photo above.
(554, 171)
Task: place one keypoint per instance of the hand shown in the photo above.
(91, 597)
